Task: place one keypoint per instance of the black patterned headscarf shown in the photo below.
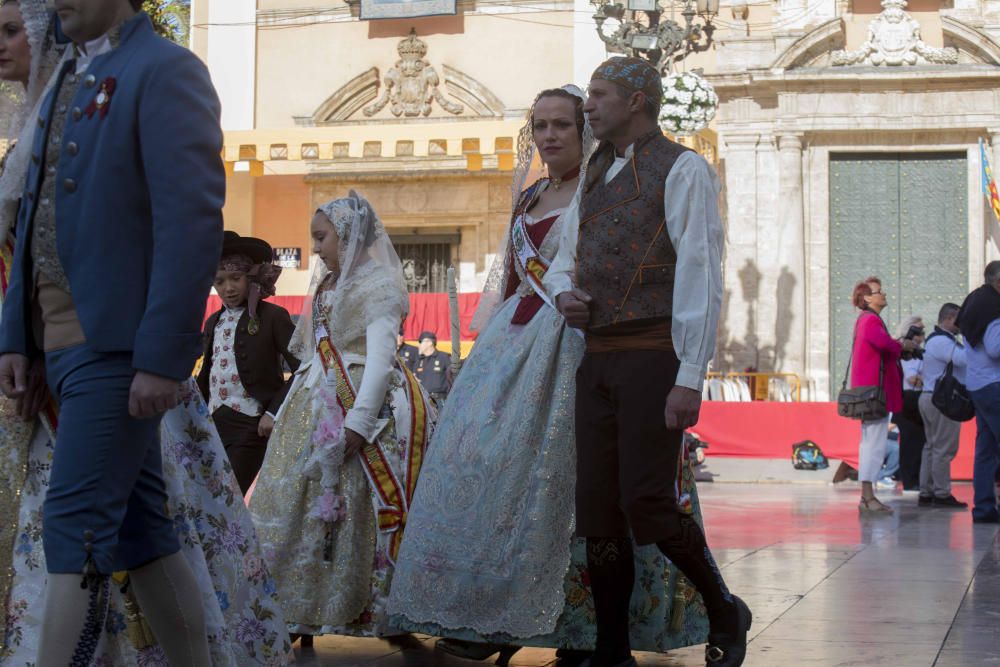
(634, 74)
(247, 255)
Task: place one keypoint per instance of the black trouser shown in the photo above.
(627, 460)
(911, 440)
(627, 476)
(244, 446)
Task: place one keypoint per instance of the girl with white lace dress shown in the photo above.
(332, 497)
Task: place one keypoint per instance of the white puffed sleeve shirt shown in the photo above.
(690, 202)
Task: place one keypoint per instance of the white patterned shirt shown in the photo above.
(225, 387)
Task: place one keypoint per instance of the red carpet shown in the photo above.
(428, 312)
(768, 430)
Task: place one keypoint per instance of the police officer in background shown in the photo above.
(406, 352)
(432, 367)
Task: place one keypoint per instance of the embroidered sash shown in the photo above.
(531, 262)
(6, 264)
(393, 495)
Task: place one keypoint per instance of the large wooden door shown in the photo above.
(902, 217)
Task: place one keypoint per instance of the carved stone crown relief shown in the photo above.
(410, 90)
(894, 39)
(412, 85)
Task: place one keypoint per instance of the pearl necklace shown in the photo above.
(568, 176)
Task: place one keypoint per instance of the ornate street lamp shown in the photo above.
(648, 29)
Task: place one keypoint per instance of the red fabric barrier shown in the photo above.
(428, 312)
(293, 304)
(768, 430)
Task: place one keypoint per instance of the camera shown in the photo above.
(912, 333)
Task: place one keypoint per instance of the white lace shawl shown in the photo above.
(45, 58)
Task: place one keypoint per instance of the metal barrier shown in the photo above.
(780, 387)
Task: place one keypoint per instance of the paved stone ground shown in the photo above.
(827, 587)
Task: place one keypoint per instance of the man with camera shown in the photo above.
(941, 349)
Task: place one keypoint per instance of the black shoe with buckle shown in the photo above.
(950, 501)
(729, 650)
(925, 501)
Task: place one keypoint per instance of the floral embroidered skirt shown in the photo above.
(489, 553)
(242, 614)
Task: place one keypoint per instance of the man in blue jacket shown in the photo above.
(119, 234)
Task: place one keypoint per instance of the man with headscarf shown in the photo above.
(241, 376)
(640, 273)
(119, 233)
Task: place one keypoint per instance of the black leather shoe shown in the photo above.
(925, 501)
(950, 501)
(566, 657)
(993, 518)
(729, 650)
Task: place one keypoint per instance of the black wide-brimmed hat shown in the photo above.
(258, 250)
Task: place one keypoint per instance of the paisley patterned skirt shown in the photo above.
(242, 613)
(489, 553)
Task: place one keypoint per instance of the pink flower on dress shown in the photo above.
(223, 363)
(223, 392)
(328, 507)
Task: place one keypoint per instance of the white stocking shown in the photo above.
(168, 595)
(73, 623)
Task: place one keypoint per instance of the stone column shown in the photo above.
(737, 344)
(790, 324)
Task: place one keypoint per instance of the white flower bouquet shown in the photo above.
(689, 103)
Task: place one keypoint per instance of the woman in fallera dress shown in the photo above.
(332, 497)
(244, 621)
(489, 560)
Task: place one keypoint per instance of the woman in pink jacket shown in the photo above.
(875, 353)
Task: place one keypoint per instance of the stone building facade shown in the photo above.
(849, 147)
(846, 139)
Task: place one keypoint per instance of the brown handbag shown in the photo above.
(862, 403)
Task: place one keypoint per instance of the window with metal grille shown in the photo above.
(425, 262)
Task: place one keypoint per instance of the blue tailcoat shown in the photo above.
(138, 205)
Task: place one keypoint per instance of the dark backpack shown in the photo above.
(807, 455)
(950, 396)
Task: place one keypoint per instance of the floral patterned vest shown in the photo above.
(625, 259)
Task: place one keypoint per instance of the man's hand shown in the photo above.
(908, 345)
(355, 443)
(13, 375)
(151, 395)
(265, 425)
(575, 307)
(683, 406)
(33, 400)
